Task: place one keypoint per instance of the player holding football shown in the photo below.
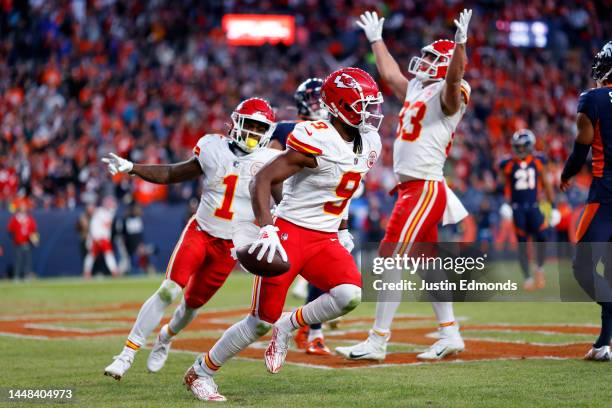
(308, 102)
(523, 176)
(324, 163)
(202, 260)
(434, 103)
(594, 122)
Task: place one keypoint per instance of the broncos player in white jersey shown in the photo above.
(323, 165)
(202, 259)
(434, 103)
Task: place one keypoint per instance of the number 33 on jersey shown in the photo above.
(319, 198)
(424, 132)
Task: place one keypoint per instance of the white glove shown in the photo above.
(462, 26)
(117, 164)
(346, 239)
(555, 217)
(268, 239)
(371, 25)
(505, 211)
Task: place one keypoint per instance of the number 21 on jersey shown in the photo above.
(349, 183)
(525, 179)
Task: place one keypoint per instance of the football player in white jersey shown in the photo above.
(99, 238)
(324, 164)
(202, 259)
(434, 103)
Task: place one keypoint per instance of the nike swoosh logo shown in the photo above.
(353, 355)
(441, 351)
(333, 239)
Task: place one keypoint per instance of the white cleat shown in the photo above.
(276, 352)
(442, 348)
(159, 355)
(117, 368)
(202, 386)
(373, 348)
(442, 332)
(599, 354)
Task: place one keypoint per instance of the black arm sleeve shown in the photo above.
(575, 161)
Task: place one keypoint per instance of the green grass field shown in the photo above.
(78, 362)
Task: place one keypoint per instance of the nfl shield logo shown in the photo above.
(284, 236)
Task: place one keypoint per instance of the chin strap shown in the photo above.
(236, 149)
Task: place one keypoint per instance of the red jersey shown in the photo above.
(21, 227)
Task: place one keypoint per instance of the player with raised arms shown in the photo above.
(202, 260)
(323, 165)
(434, 103)
(594, 122)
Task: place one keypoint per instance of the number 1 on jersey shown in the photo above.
(225, 211)
(345, 190)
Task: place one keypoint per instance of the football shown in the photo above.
(263, 267)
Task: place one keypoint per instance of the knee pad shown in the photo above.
(258, 326)
(169, 291)
(347, 296)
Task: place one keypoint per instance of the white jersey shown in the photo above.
(101, 224)
(424, 132)
(319, 198)
(225, 198)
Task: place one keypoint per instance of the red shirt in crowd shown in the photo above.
(21, 227)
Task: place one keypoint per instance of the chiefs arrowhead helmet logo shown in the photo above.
(345, 81)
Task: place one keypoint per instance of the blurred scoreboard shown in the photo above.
(531, 34)
(258, 29)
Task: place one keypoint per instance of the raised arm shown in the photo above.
(386, 65)
(451, 93)
(155, 173)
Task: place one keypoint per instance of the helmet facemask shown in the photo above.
(314, 106)
(601, 70)
(523, 143)
(522, 150)
(367, 109)
(251, 132)
(427, 65)
(370, 110)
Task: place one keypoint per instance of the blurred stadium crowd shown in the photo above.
(146, 79)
